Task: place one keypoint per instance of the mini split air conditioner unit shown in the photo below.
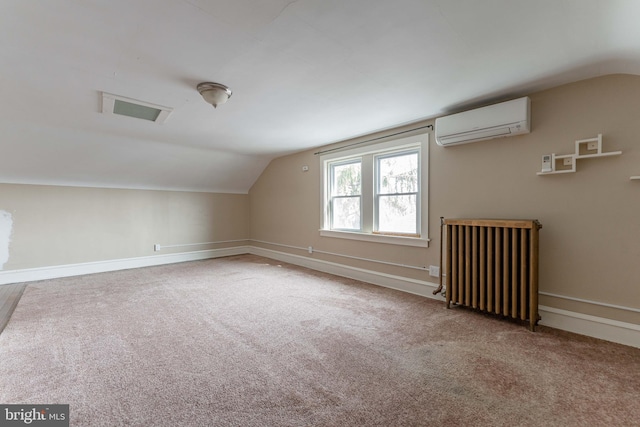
(493, 121)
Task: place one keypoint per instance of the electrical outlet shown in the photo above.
(156, 247)
(568, 161)
(592, 145)
(310, 249)
(434, 271)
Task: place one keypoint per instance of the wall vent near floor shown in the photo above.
(120, 105)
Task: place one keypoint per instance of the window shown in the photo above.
(377, 193)
(346, 198)
(397, 192)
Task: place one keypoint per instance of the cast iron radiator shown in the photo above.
(492, 266)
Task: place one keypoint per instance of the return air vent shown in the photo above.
(120, 105)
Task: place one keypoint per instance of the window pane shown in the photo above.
(398, 174)
(346, 179)
(397, 214)
(346, 213)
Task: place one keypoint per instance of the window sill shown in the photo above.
(377, 238)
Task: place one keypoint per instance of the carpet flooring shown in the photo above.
(248, 341)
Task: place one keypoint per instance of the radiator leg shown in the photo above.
(447, 295)
(533, 322)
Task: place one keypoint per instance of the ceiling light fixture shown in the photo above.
(214, 93)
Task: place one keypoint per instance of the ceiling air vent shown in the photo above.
(116, 104)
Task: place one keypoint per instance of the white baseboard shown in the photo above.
(43, 273)
(597, 327)
(412, 286)
(593, 326)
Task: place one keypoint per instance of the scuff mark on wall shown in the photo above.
(6, 226)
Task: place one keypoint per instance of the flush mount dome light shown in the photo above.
(214, 93)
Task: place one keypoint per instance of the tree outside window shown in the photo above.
(397, 193)
(346, 189)
(378, 192)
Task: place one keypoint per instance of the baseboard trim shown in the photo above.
(583, 324)
(593, 326)
(54, 272)
(412, 286)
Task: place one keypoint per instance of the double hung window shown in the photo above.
(346, 195)
(377, 192)
(397, 193)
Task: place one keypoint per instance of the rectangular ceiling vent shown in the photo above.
(116, 104)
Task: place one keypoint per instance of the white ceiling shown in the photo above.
(304, 73)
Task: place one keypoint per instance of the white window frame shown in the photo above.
(368, 154)
(331, 197)
(376, 193)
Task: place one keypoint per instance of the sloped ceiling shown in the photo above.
(304, 73)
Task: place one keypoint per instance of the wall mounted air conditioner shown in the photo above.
(493, 121)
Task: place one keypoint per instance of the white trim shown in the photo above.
(597, 327)
(412, 286)
(376, 238)
(57, 271)
(588, 301)
(312, 250)
(367, 154)
(183, 245)
(593, 326)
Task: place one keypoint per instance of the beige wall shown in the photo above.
(66, 225)
(591, 219)
(589, 247)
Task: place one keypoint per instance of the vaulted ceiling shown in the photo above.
(304, 73)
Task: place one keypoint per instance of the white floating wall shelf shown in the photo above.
(635, 177)
(585, 149)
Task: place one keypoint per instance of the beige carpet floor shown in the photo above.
(248, 341)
